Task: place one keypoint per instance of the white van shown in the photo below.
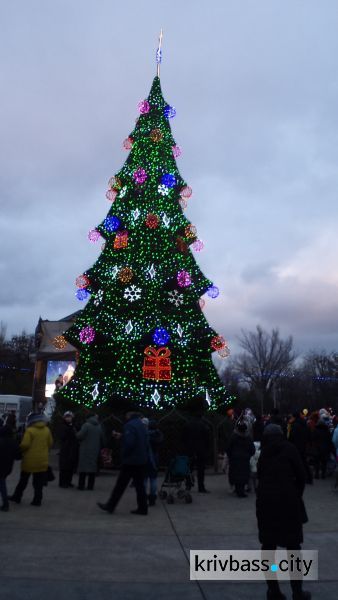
(20, 405)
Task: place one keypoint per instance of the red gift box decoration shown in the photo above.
(121, 239)
(157, 364)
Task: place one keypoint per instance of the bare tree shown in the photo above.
(266, 358)
(3, 330)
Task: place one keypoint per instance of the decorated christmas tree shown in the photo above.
(142, 335)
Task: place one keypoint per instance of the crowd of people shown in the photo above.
(274, 456)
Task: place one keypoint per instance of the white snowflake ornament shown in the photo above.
(98, 298)
(163, 190)
(175, 297)
(132, 293)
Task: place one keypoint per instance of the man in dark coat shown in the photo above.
(134, 455)
(196, 440)
(300, 436)
(69, 450)
(279, 506)
(239, 451)
(9, 452)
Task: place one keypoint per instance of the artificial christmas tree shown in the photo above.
(142, 335)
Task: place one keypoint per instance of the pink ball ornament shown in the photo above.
(176, 151)
(144, 107)
(201, 303)
(183, 279)
(198, 245)
(127, 144)
(183, 203)
(94, 236)
(224, 353)
(140, 175)
(87, 335)
(111, 195)
(186, 192)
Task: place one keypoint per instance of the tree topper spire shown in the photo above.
(159, 53)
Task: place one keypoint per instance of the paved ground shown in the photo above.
(69, 549)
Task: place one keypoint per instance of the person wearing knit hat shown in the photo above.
(280, 508)
(35, 445)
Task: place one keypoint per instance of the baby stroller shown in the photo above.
(178, 481)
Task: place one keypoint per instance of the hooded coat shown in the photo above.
(279, 506)
(35, 445)
(90, 438)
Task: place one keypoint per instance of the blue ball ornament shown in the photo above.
(169, 180)
(169, 111)
(111, 223)
(161, 336)
(82, 294)
(213, 291)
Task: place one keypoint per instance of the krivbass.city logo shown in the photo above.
(254, 565)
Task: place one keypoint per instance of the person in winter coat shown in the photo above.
(134, 458)
(239, 451)
(322, 447)
(35, 445)
(91, 439)
(280, 509)
(155, 440)
(300, 436)
(69, 450)
(196, 440)
(9, 452)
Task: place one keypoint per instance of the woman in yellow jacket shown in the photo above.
(35, 446)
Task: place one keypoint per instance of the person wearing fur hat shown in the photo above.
(69, 450)
(280, 509)
(35, 445)
(240, 449)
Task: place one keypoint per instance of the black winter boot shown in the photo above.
(152, 499)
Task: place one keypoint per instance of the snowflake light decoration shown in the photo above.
(132, 293)
(163, 190)
(175, 297)
(98, 297)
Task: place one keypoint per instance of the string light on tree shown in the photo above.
(150, 275)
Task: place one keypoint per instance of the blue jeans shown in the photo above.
(3, 490)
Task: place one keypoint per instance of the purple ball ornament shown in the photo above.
(140, 175)
(198, 245)
(183, 279)
(213, 291)
(111, 223)
(144, 107)
(94, 236)
(176, 151)
(169, 111)
(87, 335)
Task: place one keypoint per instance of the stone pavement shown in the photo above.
(70, 549)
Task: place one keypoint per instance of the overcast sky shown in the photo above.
(255, 86)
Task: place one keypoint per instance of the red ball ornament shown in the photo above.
(82, 281)
(152, 221)
(218, 342)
